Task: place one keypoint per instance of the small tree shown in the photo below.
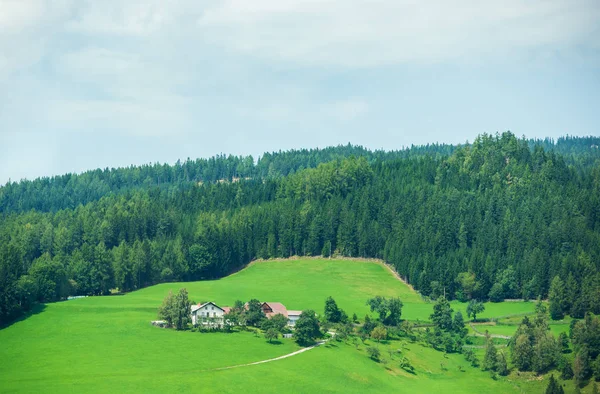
(554, 387)
(182, 310)
(238, 306)
(474, 308)
(379, 333)
(279, 322)
(458, 325)
(307, 328)
(596, 369)
(471, 357)
(175, 310)
(563, 342)
(389, 310)
(406, 365)
(271, 334)
(373, 353)
(167, 308)
(565, 368)
(343, 331)
(442, 314)
(368, 325)
(556, 298)
(490, 360)
(581, 367)
(354, 318)
(332, 314)
(522, 353)
(501, 364)
(254, 313)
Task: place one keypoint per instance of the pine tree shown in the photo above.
(581, 367)
(442, 314)
(556, 297)
(333, 314)
(490, 359)
(554, 387)
(522, 353)
(502, 365)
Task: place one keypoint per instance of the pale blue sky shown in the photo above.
(87, 84)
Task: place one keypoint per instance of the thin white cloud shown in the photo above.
(152, 68)
(367, 33)
(348, 109)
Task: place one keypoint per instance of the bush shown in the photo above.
(373, 353)
(406, 365)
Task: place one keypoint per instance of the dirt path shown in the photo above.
(274, 359)
(271, 359)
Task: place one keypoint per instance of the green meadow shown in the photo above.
(106, 344)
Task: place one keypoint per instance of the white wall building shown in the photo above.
(206, 313)
(293, 316)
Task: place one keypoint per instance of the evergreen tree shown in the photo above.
(458, 325)
(442, 314)
(490, 359)
(581, 367)
(502, 365)
(563, 342)
(556, 297)
(332, 313)
(554, 387)
(522, 353)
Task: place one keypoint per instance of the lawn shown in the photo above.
(106, 344)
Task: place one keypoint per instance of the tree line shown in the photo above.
(499, 218)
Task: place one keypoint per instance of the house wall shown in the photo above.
(292, 319)
(206, 312)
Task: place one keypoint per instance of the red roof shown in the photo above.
(277, 307)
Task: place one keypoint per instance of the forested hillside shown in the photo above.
(71, 190)
(495, 219)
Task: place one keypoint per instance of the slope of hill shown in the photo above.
(101, 344)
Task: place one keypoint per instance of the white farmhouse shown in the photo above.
(208, 312)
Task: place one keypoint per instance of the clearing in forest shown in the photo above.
(106, 344)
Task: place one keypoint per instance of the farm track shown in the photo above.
(271, 359)
(276, 358)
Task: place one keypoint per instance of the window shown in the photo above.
(212, 308)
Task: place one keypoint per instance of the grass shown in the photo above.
(301, 284)
(106, 344)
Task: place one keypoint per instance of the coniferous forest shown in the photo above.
(499, 218)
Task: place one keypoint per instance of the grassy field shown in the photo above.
(106, 344)
(303, 284)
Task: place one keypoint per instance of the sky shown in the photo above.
(96, 84)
